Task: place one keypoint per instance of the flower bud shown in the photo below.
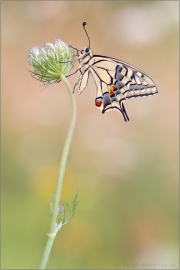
(51, 61)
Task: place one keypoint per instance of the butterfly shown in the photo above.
(115, 80)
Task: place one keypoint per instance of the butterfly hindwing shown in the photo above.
(115, 81)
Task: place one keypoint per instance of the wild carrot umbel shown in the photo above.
(52, 63)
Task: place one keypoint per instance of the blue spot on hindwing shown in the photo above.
(118, 68)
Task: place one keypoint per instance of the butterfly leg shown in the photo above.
(59, 80)
(72, 73)
(77, 51)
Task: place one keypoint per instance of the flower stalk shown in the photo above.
(52, 63)
(54, 226)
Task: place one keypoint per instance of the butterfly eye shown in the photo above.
(87, 49)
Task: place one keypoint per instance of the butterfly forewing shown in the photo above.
(115, 81)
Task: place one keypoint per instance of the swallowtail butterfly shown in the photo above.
(115, 80)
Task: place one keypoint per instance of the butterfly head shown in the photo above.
(85, 55)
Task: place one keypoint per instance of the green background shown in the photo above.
(126, 173)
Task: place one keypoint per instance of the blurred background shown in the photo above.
(126, 173)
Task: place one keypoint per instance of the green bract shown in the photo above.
(51, 61)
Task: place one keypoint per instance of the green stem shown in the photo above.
(62, 166)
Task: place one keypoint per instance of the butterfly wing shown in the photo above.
(115, 81)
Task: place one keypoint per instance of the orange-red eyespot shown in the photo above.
(114, 87)
(98, 101)
(111, 90)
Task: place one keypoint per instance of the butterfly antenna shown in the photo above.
(84, 23)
